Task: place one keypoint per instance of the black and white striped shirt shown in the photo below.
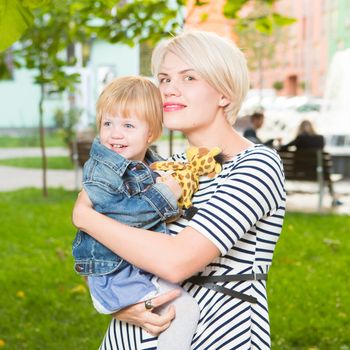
(241, 211)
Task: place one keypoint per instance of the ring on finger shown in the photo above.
(148, 304)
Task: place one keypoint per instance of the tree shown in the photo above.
(259, 31)
(53, 27)
(42, 49)
(48, 44)
(127, 19)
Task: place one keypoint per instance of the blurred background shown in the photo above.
(55, 58)
(298, 54)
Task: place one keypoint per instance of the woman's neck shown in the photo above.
(222, 135)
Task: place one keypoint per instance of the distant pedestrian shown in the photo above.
(256, 121)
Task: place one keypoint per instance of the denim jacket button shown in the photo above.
(78, 268)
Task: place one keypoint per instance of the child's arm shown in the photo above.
(146, 209)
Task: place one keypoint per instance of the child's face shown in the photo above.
(128, 137)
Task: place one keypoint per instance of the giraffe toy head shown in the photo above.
(200, 162)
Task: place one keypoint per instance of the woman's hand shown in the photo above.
(81, 208)
(149, 320)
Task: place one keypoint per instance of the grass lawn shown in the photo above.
(45, 305)
(36, 162)
(52, 139)
(309, 284)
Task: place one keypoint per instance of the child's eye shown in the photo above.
(107, 123)
(128, 125)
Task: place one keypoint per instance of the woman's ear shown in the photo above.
(150, 138)
(224, 101)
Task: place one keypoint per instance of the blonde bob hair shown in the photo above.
(219, 61)
(132, 96)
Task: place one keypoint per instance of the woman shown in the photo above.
(203, 80)
(306, 139)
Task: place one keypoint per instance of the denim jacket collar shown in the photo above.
(115, 161)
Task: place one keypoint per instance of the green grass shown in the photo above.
(52, 139)
(36, 162)
(45, 305)
(309, 284)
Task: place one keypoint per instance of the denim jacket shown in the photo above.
(126, 191)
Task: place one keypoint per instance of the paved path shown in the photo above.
(6, 153)
(12, 178)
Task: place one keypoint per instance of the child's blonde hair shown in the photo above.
(132, 95)
(219, 61)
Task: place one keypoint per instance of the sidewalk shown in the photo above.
(12, 178)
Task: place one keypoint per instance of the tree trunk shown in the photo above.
(42, 140)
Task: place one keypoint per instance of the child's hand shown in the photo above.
(172, 184)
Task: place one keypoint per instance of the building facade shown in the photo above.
(302, 54)
(20, 97)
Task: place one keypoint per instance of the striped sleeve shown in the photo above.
(250, 190)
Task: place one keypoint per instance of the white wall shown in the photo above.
(19, 98)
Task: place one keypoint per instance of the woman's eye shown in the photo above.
(189, 78)
(164, 80)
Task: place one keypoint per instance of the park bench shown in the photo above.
(81, 151)
(311, 166)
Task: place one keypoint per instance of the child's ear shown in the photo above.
(150, 138)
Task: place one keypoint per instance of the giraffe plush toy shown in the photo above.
(200, 162)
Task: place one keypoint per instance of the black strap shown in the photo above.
(230, 292)
(228, 278)
(189, 213)
(209, 282)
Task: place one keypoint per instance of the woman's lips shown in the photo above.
(171, 107)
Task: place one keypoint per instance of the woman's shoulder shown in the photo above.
(256, 153)
(254, 160)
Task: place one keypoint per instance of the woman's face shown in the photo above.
(189, 102)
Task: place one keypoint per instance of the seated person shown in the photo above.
(256, 120)
(306, 139)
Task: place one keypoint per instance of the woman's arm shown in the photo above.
(173, 258)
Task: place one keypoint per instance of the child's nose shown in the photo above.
(117, 133)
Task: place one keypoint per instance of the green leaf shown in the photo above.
(204, 17)
(264, 25)
(232, 7)
(33, 4)
(14, 20)
(201, 3)
(282, 20)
